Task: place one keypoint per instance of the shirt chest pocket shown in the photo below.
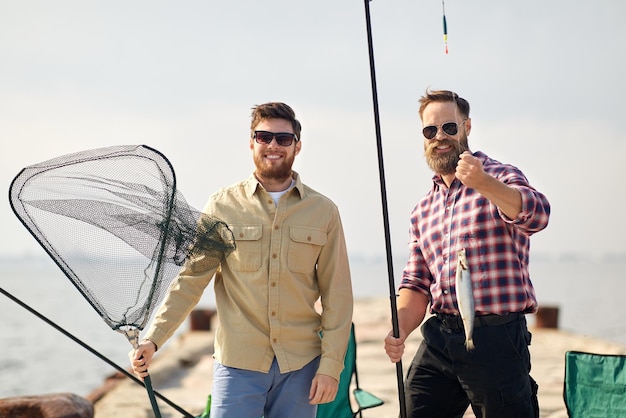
(305, 245)
(248, 255)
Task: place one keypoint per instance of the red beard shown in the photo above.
(278, 172)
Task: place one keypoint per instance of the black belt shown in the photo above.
(454, 322)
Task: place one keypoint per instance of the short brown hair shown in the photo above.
(444, 96)
(274, 110)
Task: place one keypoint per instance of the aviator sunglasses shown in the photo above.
(283, 139)
(450, 128)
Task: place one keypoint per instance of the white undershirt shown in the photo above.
(277, 195)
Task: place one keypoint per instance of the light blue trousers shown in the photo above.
(239, 393)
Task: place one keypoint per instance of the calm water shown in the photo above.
(35, 358)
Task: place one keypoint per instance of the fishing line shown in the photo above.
(92, 350)
(383, 193)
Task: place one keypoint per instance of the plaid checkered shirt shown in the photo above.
(447, 220)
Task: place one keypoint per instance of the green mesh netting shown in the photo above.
(114, 222)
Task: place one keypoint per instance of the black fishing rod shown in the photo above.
(383, 194)
(93, 351)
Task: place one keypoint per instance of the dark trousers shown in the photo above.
(444, 378)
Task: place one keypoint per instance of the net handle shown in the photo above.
(133, 336)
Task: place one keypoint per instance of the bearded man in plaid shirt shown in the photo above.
(490, 210)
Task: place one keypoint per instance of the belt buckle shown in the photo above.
(450, 321)
(445, 321)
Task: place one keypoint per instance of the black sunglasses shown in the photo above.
(283, 139)
(450, 128)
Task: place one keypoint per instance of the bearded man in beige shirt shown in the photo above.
(276, 355)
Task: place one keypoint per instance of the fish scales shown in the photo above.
(465, 297)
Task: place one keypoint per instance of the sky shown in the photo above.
(544, 80)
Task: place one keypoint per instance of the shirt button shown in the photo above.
(274, 256)
(241, 235)
(270, 201)
(276, 227)
(274, 339)
(308, 238)
(445, 292)
(273, 313)
(273, 284)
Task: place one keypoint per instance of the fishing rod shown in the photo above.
(383, 193)
(93, 351)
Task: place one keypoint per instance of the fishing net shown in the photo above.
(114, 222)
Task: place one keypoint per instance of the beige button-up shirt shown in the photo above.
(287, 256)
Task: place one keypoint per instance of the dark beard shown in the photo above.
(445, 164)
